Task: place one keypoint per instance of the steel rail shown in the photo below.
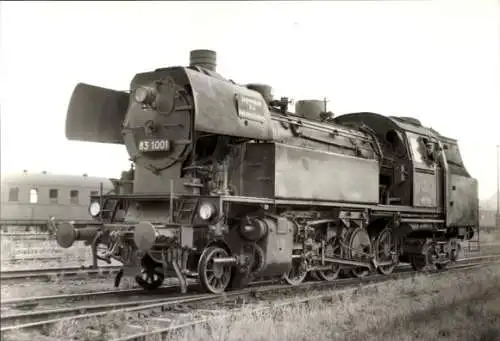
(54, 316)
(36, 300)
(51, 272)
(37, 317)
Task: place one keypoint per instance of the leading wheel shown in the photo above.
(149, 278)
(214, 278)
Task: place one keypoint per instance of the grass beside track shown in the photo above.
(455, 306)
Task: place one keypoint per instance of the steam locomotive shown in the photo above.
(227, 185)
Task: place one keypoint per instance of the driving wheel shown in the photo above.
(333, 250)
(360, 247)
(384, 247)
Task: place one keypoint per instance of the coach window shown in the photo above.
(94, 193)
(73, 196)
(53, 194)
(14, 194)
(33, 196)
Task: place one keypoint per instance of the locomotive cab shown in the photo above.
(422, 169)
(395, 180)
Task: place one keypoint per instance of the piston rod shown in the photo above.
(225, 260)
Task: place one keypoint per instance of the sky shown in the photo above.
(438, 61)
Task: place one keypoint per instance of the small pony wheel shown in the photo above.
(150, 279)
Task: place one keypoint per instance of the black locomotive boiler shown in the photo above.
(227, 185)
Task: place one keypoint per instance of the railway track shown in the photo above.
(156, 302)
(15, 275)
(68, 305)
(163, 333)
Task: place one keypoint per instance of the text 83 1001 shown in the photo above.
(154, 145)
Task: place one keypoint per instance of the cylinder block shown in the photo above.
(253, 229)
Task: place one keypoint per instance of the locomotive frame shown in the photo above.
(216, 193)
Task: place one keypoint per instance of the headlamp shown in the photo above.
(94, 209)
(206, 211)
(144, 95)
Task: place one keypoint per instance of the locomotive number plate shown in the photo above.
(154, 145)
(250, 108)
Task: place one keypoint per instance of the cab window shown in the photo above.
(417, 150)
(423, 151)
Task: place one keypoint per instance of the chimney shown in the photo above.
(206, 59)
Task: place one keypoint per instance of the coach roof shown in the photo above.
(56, 180)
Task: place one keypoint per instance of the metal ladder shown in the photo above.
(474, 245)
(186, 210)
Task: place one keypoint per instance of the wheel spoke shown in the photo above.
(213, 277)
